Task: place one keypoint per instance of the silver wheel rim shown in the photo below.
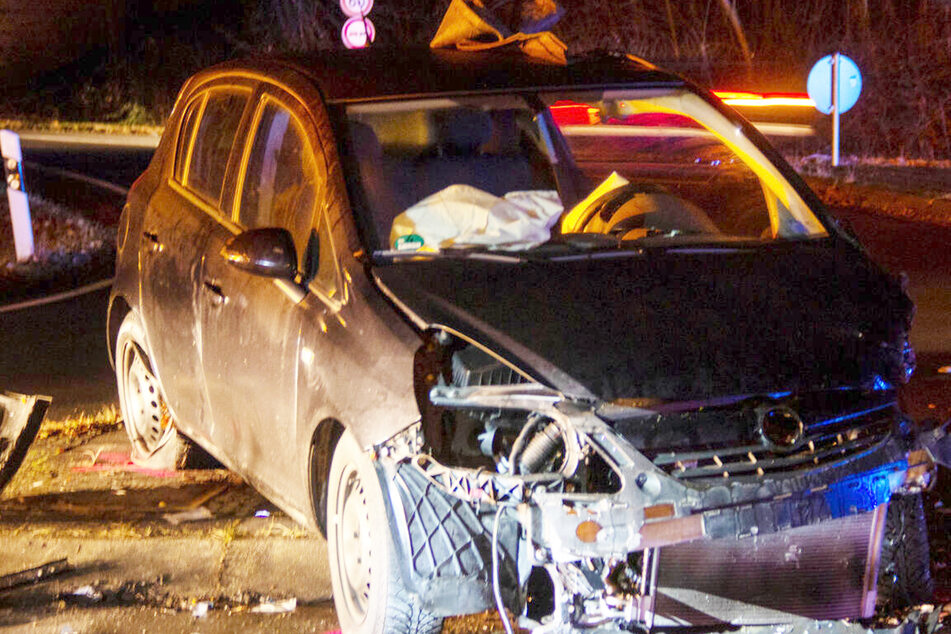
(354, 547)
(146, 416)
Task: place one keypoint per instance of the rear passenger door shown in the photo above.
(179, 218)
(251, 325)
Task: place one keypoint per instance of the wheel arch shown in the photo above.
(118, 309)
(320, 454)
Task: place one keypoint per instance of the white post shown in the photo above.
(16, 194)
(835, 109)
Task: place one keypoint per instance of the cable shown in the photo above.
(496, 589)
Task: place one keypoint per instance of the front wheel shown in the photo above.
(904, 577)
(156, 443)
(369, 592)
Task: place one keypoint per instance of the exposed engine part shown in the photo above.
(540, 450)
(431, 366)
(625, 575)
(471, 366)
(572, 597)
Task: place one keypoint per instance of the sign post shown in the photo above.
(16, 194)
(834, 84)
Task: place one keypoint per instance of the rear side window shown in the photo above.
(207, 162)
(280, 184)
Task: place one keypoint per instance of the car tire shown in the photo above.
(156, 443)
(904, 577)
(369, 592)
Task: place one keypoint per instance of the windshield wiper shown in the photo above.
(467, 252)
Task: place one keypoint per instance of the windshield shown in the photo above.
(598, 169)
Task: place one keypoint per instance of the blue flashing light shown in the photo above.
(865, 491)
(880, 385)
(844, 417)
(778, 395)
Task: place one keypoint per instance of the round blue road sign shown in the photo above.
(819, 84)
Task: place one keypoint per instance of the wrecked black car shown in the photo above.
(567, 340)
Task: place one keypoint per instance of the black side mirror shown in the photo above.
(268, 252)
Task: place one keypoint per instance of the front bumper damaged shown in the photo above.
(604, 556)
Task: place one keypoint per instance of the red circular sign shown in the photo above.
(357, 32)
(356, 8)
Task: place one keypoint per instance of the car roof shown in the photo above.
(380, 73)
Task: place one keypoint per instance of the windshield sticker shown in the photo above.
(410, 242)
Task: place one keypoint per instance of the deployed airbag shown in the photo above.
(461, 214)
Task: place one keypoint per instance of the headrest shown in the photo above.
(464, 130)
(366, 146)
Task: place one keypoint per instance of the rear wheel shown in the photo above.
(904, 577)
(369, 592)
(156, 443)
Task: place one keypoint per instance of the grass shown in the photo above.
(98, 127)
(61, 235)
(82, 426)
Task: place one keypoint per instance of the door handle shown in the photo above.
(155, 245)
(218, 297)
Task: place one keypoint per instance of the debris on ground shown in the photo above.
(87, 593)
(121, 461)
(276, 607)
(192, 515)
(34, 575)
(201, 609)
(20, 418)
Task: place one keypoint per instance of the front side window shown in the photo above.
(280, 183)
(651, 167)
(207, 162)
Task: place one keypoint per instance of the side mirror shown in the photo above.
(268, 252)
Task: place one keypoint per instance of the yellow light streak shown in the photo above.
(764, 100)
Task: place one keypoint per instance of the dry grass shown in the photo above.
(96, 127)
(61, 236)
(82, 425)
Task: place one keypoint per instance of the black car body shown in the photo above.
(668, 399)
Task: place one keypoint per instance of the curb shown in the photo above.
(879, 200)
(56, 297)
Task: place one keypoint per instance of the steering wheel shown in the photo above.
(605, 206)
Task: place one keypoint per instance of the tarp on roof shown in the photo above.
(470, 26)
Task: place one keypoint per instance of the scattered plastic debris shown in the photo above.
(191, 515)
(34, 575)
(276, 607)
(201, 608)
(262, 513)
(121, 461)
(87, 592)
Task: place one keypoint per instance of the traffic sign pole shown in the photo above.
(834, 84)
(835, 110)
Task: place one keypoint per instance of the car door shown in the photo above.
(179, 217)
(251, 324)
